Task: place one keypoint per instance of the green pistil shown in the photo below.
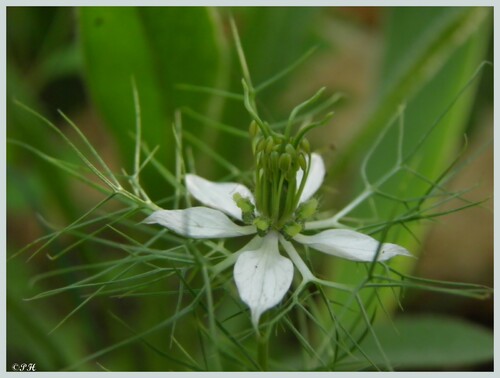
(277, 191)
(278, 158)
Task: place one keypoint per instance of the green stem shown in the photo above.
(265, 194)
(302, 184)
(299, 108)
(288, 207)
(277, 199)
(263, 351)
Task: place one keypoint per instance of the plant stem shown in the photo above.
(263, 350)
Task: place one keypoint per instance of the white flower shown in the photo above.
(262, 274)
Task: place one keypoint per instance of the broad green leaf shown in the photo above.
(273, 38)
(431, 342)
(159, 48)
(188, 47)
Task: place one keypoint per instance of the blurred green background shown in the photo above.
(82, 60)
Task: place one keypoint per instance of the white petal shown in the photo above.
(263, 276)
(314, 179)
(351, 245)
(199, 223)
(230, 260)
(218, 195)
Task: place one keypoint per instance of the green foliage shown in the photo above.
(431, 65)
(112, 293)
(273, 38)
(431, 342)
(159, 48)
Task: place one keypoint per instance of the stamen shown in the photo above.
(278, 159)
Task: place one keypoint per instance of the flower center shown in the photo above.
(277, 191)
(278, 159)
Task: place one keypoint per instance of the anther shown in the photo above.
(289, 149)
(261, 144)
(305, 146)
(285, 161)
(269, 144)
(302, 161)
(253, 129)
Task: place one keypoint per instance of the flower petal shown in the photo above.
(263, 276)
(218, 195)
(351, 245)
(314, 179)
(199, 223)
